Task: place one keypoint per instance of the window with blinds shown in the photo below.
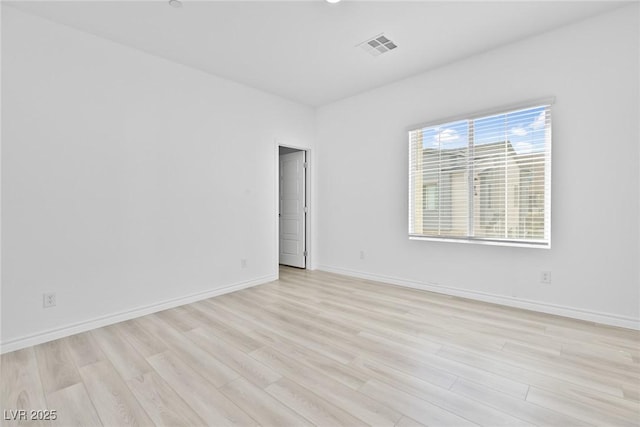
(483, 178)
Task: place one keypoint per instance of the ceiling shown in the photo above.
(306, 51)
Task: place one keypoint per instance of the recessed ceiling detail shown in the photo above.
(377, 45)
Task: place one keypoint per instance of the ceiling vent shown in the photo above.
(377, 45)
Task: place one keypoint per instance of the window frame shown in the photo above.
(470, 238)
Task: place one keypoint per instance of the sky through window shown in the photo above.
(524, 129)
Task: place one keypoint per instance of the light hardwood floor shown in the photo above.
(316, 348)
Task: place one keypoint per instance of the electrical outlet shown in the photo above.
(48, 300)
(243, 263)
(545, 277)
(361, 254)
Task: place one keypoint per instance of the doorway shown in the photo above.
(292, 207)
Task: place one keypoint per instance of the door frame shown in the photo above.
(308, 196)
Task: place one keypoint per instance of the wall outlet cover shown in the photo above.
(545, 277)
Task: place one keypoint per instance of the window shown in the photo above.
(485, 178)
(430, 197)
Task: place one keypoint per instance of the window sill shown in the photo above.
(494, 242)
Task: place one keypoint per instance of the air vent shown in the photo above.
(378, 45)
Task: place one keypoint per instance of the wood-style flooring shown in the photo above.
(315, 348)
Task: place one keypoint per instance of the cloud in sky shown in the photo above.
(539, 122)
(519, 131)
(447, 135)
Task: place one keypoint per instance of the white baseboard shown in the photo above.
(98, 322)
(572, 312)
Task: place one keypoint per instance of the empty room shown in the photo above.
(314, 212)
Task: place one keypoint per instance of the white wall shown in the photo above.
(127, 180)
(592, 69)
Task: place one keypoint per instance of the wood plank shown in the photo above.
(211, 405)
(357, 404)
(237, 335)
(179, 318)
(416, 368)
(469, 409)
(124, 358)
(527, 373)
(600, 353)
(573, 408)
(609, 374)
(111, 397)
(145, 343)
(261, 406)
(73, 407)
(57, 369)
(408, 422)
(162, 404)
(289, 314)
(21, 385)
(249, 368)
(327, 366)
(83, 349)
(419, 364)
(520, 408)
(310, 405)
(215, 307)
(414, 407)
(632, 393)
(208, 365)
(625, 339)
(294, 333)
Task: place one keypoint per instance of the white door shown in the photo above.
(292, 209)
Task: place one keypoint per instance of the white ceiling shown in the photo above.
(305, 50)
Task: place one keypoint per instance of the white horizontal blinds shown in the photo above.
(486, 178)
(530, 136)
(440, 180)
(509, 175)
